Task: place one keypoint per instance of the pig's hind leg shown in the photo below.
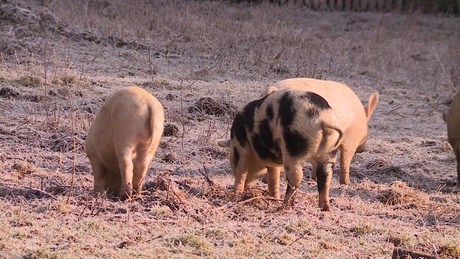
(100, 176)
(457, 156)
(125, 163)
(324, 175)
(347, 151)
(240, 167)
(274, 181)
(141, 166)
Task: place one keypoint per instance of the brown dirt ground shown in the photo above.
(60, 60)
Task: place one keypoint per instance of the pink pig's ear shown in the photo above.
(371, 104)
(268, 90)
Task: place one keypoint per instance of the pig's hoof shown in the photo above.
(97, 192)
(125, 195)
(126, 192)
(325, 207)
(289, 200)
(345, 181)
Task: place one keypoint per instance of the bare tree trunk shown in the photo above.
(364, 5)
(315, 5)
(380, 5)
(356, 5)
(347, 5)
(398, 6)
(323, 5)
(389, 5)
(372, 5)
(332, 5)
(339, 5)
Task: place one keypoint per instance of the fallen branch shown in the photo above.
(400, 254)
(301, 236)
(32, 189)
(205, 174)
(171, 189)
(265, 199)
(394, 108)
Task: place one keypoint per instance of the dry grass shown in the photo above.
(202, 59)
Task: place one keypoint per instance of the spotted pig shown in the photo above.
(285, 128)
(352, 116)
(453, 131)
(123, 139)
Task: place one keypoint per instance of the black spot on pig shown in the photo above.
(268, 142)
(262, 150)
(296, 144)
(236, 156)
(270, 113)
(249, 111)
(316, 100)
(266, 134)
(286, 109)
(278, 155)
(238, 129)
(313, 112)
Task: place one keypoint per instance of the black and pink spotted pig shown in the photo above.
(284, 128)
(352, 116)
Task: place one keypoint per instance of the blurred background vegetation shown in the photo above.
(426, 6)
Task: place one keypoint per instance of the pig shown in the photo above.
(122, 141)
(352, 117)
(453, 131)
(285, 128)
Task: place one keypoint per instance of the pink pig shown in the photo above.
(352, 117)
(123, 139)
(453, 131)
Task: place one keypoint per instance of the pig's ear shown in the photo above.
(225, 143)
(268, 90)
(371, 104)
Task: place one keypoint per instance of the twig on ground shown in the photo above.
(182, 118)
(265, 199)
(72, 181)
(290, 200)
(251, 199)
(394, 108)
(32, 189)
(444, 70)
(307, 232)
(269, 233)
(171, 189)
(145, 222)
(82, 211)
(205, 174)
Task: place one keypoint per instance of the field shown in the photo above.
(60, 60)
